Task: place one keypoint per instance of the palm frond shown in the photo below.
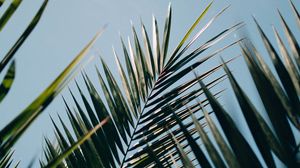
(59, 158)
(7, 81)
(297, 15)
(9, 12)
(239, 145)
(5, 161)
(23, 37)
(280, 100)
(224, 148)
(149, 104)
(211, 150)
(14, 129)
(11, 132)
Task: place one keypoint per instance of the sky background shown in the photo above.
(68, 25)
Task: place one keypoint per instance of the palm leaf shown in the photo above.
(293, 44)
(240, 146)
(12, 131)
(290, 66)
(297, 15)
(203, 161)
(1, 2)
(7, 81)
(9, 12)
(253, 120)
(23, 37)
(265, 84)
(186, 36)
(280, 100)
(211, 150)
(56, 161)
(186, 162)
(10, 75)
(141, 109)
(224, 148)
(5, 162)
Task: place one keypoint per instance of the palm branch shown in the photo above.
(147, 110)
(9, 77)
(11, 132)
(280, 97)
(6, 84)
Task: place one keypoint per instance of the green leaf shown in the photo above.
(139, 72)
(141, 92)
(252, 118)
(98, 139)
(276, 88)
(165, 83)
(177, 91)
(187, 34)
(207, 45)
(272, 103)
(166, 38)
(283, 75)
(164, 144)
(154, 128)
(211, 150)
(133, 78)
(1, 2)
(142, 65)
(225, 149)
(153, 155)
(118, 118)
(156, 45)
(294, 46)
(101, 112)
(290, 66)
(7, 81)
(64, 144)
(11, 132)
(201, 31)
(149, 54)
(171, 71)
(203, 161)
(5, 161)
(128, 91)
(273, 106)
(175, 104)
(177, 101)
(184, 158)
(240, 146)
(56, 161)
(9, 12)
(119, 100)
(23, 37)
(297, 15)
(88, 148)
(52, 152)
(79, 156)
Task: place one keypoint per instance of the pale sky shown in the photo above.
(67, 25)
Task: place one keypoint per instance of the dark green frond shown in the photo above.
(7, 81)
(9, 12)
(12, 132)
(23, 37)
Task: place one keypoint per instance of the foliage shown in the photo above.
(154, 87)
(10, 134)
(159, 116)
(280, 97)
(155, 120)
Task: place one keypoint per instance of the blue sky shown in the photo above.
(67, 26)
